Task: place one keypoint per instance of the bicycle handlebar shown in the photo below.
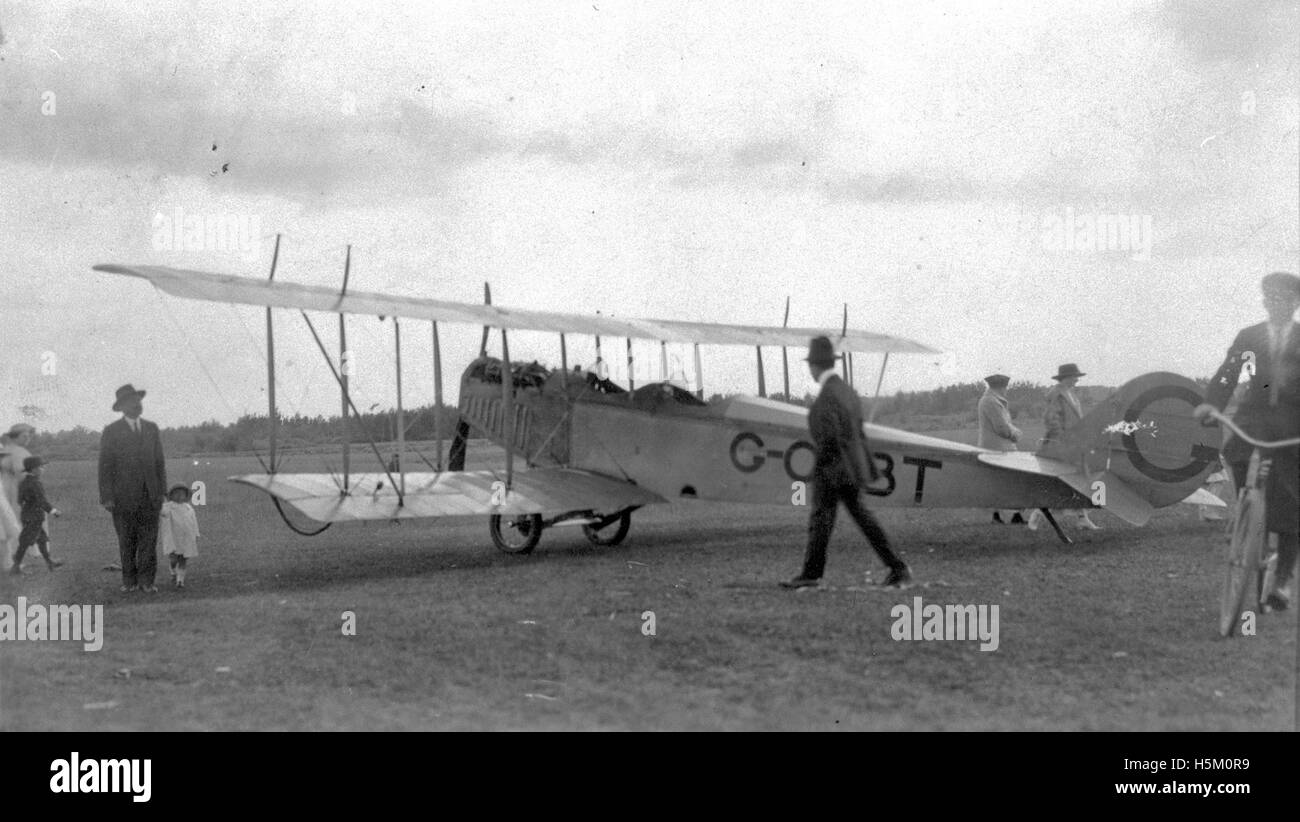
(1232, 426)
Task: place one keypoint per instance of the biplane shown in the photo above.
(596, 451)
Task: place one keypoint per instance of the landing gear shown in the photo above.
(519, 535)
(610, 530)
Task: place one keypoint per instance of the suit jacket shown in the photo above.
(843, 456)
(1060, 413)
(996, 430)
(132, 472)
(1264, 412)
(31, 495)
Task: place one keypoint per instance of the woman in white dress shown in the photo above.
(178, 532)
(13, 450)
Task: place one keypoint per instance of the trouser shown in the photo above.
(821, 522)
(1280, 506)
(32, 533)
(137, 541)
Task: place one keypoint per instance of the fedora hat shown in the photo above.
(1281, 281)
(124, 393)
(997, 380)
(821, 352)
(1068, 370)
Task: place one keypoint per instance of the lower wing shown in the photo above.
(547, 491)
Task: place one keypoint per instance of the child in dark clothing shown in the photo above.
(31, 497)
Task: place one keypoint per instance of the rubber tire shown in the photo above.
(609, 535)
(534, 533)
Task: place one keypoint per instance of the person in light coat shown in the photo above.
(13, 451)
(996, 429)
(1063, 411)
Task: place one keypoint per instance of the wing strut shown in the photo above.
(762, 379)
(339, 378)
(699, 374)
(631, 383)
(270, 361)
(437, 393)
(401, 418)
(507, 411)
(785, 357)
(345, 363)
(875, 403)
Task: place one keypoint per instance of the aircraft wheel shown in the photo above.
(612, 533)
(519, 535)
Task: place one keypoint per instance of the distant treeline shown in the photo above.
(950, 407)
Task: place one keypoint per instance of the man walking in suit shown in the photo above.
(996, 429)
(132, 482)
(1269, 411)
(842, 469)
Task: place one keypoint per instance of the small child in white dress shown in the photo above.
(178, 532)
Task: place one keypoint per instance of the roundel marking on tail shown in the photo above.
(1200, 455)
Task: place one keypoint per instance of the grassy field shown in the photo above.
(1116, 632)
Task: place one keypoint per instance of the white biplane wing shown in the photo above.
(225, 288)
(546, 491)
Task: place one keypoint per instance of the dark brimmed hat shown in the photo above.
(821, 352)
(1281, 281)
(1068, 370)
(124, 393)
(180, 486)
(33, 462)
(997, 380)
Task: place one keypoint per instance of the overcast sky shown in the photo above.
(918, 161)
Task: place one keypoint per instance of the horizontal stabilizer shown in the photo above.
(1121, 500)
(1203, 497)
(546, 491)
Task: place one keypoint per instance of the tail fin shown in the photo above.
(1145, 435)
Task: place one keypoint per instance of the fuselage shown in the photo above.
(742, 449)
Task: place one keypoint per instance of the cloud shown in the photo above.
(1236, 31)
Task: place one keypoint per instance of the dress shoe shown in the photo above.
(997, 517)
(1018, 519)
(150, 589)
(900, 577)
(801, 582)
(126, 589)
(1277, 601)
(1086, 523)
(1035, 518)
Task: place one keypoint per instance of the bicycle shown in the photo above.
(1248, 571)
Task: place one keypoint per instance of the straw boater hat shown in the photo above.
(997, 380)
(18, 429)
(1068, 370)
(821, 352)
(124, 393)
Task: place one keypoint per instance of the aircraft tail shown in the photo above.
(1145, 437)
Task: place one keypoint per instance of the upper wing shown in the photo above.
(546, 491)
(225, 288)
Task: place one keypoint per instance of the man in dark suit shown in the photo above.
(132, 483)
(1269, 411)
(842, 469)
